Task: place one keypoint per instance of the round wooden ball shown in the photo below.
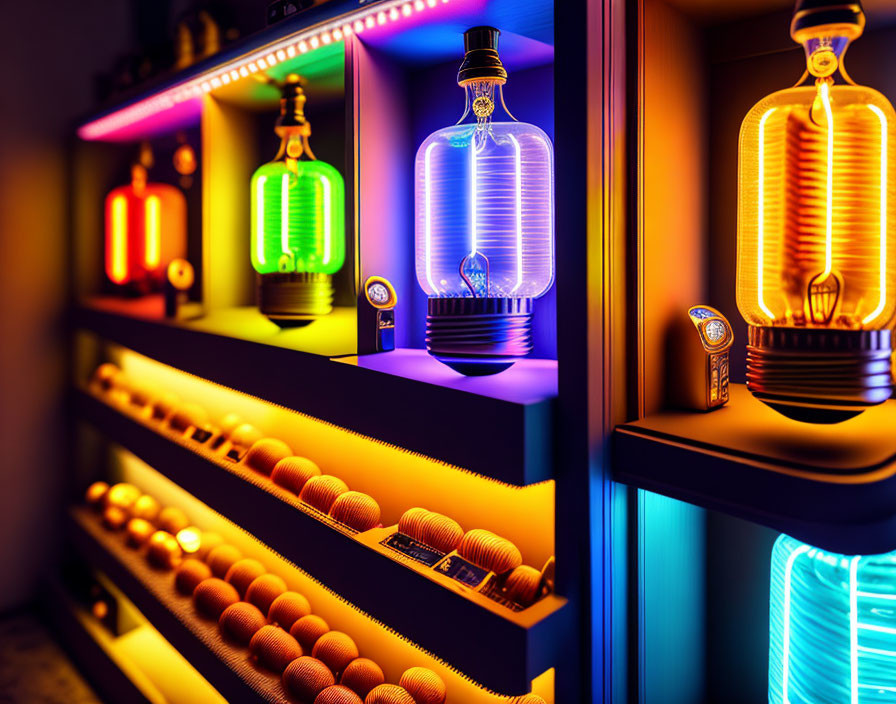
(522, 585)
(336, 650)
(292, 473)
(361, 675)
(243, 436)
(489, 551)
(240, 622)
(188, 415)
(410, 522)
(274, 648)
(190, 573)
(337, 694)
(356, 510)
(95, 494)
(172, 520)
(441, 532)
(164, 550)
(306, 677)
(424, 685)
(122, 495)
(263, 590)
(103, 376)
(139, 531)
(208, 542)
(115, 517)
(164, 405)
(212, 596)
(320, 492)
(147, 508)
(243, 572)
(222, 558)
(389, 694)
(288, 608)
(229, 423)
(307, 630)
(265, 454)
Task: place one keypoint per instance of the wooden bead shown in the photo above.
(274, 648)
(265, 454)
(240, 622)
(139, 531)
(361, 675)
(103, 376)
(288, 608)
(263, 590)
(222, 558)
(212, 596)
(522, 585)
(164, 550)
(489, 551)
(189, 415)
(189, 574)
(307, 630)
(389, 694)
(306, 677)
(172, 520)
(207, 543)
(243, 436)
(114, 517)
(292, 473)
(229, 423)
(189, 539)
(424, 685)
(95, 494)
(147, 508)
(356, 510)
(441, 532)
(243, 572)
(336, 650)
(320, 492)
(410, 522)
(122, 495)
(337, 694)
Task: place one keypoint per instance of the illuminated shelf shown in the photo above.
(499, 426)
(518, 647)
(829, 485)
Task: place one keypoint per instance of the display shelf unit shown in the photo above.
(380, 395)
(519, 647)
(831, 486)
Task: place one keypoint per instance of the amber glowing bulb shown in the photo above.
(816, 274)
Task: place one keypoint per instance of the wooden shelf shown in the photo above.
(833, 486)
(500, 426)
(426, 608)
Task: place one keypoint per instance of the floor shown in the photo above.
(34, 669)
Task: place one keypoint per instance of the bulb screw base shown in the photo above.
(479, 336)
(295, 299)
(818, 375)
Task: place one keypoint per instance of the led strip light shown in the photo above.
(296, 44)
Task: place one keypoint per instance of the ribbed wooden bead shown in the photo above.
(424, 685)
(114, 517)
(163, 405)
(336, 650)
(212, 596)
(308, 629)
(164, 550)
(139, 531)
(489, 551)
(263, 590)
(95, 493)
(441, 532)
(265, 454)
(411, 520)
(147, 508)
(357, 510)
(243, 572)
(103, 376)
(190, 573)
(389, 694)
(243, 436)
(527, 699)
(240, 622)
(361, 675)
(522, 585)
(292, 473)
(337, 694)
(274, 648)
(172, 520)
(320, 492)
(222, 558)
(188, 415)
(208, 542)
(306, 677)
(288, 608)
(122, 495)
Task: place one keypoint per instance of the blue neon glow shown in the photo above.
(832, 624)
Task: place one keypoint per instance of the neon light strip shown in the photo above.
(284, 214)
(259, 219)
(519, 213)
(761, 223)
(428, 216)
(877, 651)
(829, 217)
(327, 188)
(879, 629)
(287, 48)
(875, 595)
(854, 630)
(474, 206)
(883, 214)
(119, 239)
(153, 233)
(788, 577)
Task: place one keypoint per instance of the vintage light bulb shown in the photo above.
(146, 227)
(816, 270)
(832, 626)
(298, 221)
(484, 222)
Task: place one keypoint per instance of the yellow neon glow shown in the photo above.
(119, 271)
(883, 215)
(824, 93)
(153, 232)
(189, 539)
(760, 224)
(259, 222)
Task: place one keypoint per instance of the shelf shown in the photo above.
(833, 486)
(420, 606)
(500, 426)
